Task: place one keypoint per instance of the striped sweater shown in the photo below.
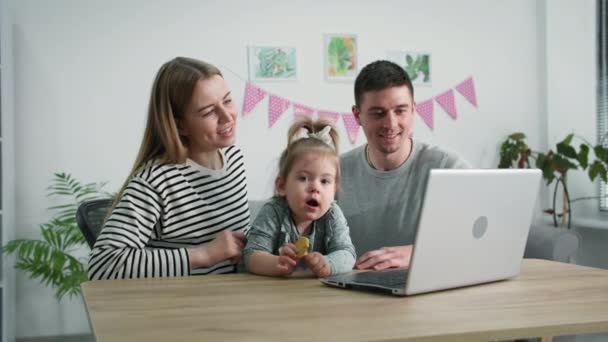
(166, 209)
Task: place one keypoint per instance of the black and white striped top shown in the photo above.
(167, 208)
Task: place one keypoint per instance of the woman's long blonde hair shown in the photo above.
(171, 93)
(298, 147)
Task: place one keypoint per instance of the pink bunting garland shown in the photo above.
(277, 106)
(446, 101)
(425, 110)
(301, 110)
(253, 96)
(467, 89)
(352, 126)
(329, 116)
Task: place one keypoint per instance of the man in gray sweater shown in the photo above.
(383, 182)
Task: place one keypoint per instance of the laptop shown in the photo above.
(472, 229)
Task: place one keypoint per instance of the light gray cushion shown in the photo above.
(552, 243)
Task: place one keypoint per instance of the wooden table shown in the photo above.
(547, 298)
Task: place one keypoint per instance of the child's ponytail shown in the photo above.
(309, 136)
(308, 128)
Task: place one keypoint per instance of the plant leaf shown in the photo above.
(48, 259)
(409, 59)
(541, 160)
(598, 169)
(583, 156)
(562, 165)
(566, 150)
(517, 136)
(601, 152)
(568, 139)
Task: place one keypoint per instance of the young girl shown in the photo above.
(183, 208)
(303, 206)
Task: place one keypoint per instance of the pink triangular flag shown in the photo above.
(352, 126)
(425, 109)
(329, 116)
(467, 89)
(253, 96)
(276, 107)
(446, 101)
(301, 110)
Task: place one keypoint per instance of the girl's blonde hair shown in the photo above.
(297, 147)
(171, 93)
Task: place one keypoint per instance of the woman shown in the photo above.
(183, 209)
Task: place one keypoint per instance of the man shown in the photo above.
(383, 182)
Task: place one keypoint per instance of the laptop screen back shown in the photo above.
(473, 227)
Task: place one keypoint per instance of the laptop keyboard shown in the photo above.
(392, 278)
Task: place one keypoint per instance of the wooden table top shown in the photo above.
(547, 298)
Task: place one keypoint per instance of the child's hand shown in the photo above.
(318, 264)
(287, 259)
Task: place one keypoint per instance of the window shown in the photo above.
(602, 87)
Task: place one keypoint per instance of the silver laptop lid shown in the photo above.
(473, 227)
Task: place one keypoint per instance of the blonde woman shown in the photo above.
(183, 209)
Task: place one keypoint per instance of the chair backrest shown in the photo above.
(90, 216)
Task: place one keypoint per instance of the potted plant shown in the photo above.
(51, 259)
(555, 165)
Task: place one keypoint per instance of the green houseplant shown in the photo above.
(555, 165)
(51, 259)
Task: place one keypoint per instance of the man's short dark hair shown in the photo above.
(380, 75)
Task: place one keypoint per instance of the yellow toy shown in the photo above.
(302, 246)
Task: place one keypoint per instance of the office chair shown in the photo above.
(90, 216)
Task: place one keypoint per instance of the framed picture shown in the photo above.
(416, 64)
(270, 63)
(340, 54)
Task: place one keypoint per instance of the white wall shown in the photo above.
(7, 181)
(84, 70)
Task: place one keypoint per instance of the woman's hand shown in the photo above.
(227, 245)
(318, 264)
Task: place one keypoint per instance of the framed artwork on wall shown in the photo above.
(416, 64)
(271, 63)
(340, 56)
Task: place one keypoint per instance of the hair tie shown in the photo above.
(322, 135)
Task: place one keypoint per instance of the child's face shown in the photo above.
(310, 187)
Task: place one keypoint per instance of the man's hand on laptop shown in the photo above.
(385, 257)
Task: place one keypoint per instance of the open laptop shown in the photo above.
(472, 229)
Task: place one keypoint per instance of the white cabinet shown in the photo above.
(7, 173)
